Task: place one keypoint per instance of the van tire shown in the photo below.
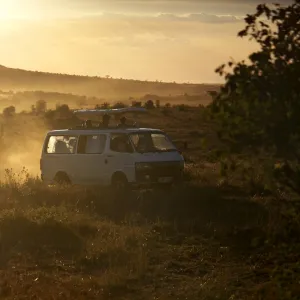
(119, 184)
(61, 178)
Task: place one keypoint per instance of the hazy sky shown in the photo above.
(169, 40)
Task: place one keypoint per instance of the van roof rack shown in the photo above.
(96, 114)
(81, 127)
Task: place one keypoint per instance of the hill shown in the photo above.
(109, 88)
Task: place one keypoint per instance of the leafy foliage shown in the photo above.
(119, 105)
(149, 104)
(136, 104)
(9, 111)
(259, 105)
(41, 106)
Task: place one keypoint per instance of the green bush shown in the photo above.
(258, 107)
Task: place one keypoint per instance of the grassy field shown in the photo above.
(214, 237)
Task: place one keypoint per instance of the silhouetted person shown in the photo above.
(122, 123)
(105, 121)
(88, 124)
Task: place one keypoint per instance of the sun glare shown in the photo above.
(10, 9)
(6, 9)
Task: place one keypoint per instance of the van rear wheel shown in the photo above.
(62, 178)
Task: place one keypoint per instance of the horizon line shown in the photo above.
(113, 78)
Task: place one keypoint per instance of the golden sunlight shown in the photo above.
(10, 9)
(7, 9)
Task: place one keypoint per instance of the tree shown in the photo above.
(9, 111)
(63, 111)
(119, 105)
(33, 109)
(41, 106)
(136, 104)
(149, 104)
(182, 107)
(259, 104)
(105, 105)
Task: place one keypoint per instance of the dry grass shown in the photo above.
(55, 235)
(192, 243)
(207, 239)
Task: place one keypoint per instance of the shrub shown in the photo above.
(182, 107)
(259, 104)
(41, 106)
(136, 104)
(119, 105)
(149, 104)
(105, 105)
(258, 107)
(9, 111)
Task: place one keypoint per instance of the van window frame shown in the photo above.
(128, 138)
(150, 132)
(60, 135)
(92, 134)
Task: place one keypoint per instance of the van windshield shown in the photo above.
(151, 142)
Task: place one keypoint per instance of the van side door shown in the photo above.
(120, 156)
(91, 168)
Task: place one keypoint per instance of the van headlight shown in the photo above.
(142, 166)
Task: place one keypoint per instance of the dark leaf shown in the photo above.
(243, 33)
(250, 19)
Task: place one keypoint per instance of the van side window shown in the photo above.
(61, 145)
(91, 144)
(119, 142)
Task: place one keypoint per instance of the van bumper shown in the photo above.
(158, 182)
(159, 173)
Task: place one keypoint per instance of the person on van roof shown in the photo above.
(88, 124)
(105, 121)
(122, 123)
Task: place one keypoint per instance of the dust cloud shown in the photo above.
(21, 144)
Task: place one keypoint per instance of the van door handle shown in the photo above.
(110, 155)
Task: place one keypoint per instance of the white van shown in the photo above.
(119, 157)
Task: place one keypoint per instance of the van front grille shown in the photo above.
(157, 170)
